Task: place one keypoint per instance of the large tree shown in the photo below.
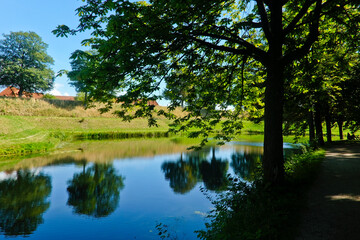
(143, 44)
(24, 62)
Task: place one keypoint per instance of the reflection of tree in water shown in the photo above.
(214, 174)
(95, 191)
(182, 175)
(245, 164)
(193, 167)
(22, 202)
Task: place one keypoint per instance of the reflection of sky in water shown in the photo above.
(146, 199)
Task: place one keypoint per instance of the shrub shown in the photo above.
(252, 211)
(49, 96)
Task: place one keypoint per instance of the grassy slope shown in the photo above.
(24, 122)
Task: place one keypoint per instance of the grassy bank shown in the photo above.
(21, 135)
(35, 125)
(30, 126)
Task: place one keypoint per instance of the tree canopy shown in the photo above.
(24, 62)
(205, 48)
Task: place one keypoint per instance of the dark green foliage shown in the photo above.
(250, 211)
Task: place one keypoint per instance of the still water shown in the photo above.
(118, 189)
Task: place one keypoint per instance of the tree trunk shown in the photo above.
(340, 124)
(21, 91)
(273, 162)
(328, 127)
(311, 127)
(318, 125)
(85, 100)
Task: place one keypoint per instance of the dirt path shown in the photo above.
(334, 199)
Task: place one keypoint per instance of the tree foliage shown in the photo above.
(203, 47)
(81, 69)
(316, 86)
(24, 62)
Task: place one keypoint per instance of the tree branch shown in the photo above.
(260, 55)
(312, 37)
(239, 41)
(298, 17)
(264, 19)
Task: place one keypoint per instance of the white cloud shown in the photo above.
(58, 85)
(55, 92)
(66, 94)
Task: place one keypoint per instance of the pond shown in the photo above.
(131, 189)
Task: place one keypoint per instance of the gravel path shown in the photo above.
(334, 200)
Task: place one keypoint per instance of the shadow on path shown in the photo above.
(334, 200)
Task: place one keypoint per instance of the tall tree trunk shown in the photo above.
(311, 127)
(340, 124)
(318, 125)
(328, 127)
(273, 162)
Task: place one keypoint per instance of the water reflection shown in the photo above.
(95, 191)
(193, 167)
(88, 178)
(245, 164)
(23, 201)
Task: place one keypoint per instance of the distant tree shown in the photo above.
(49, 96)
(24, 62)
(81, 68)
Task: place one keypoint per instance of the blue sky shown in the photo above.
(41, 17)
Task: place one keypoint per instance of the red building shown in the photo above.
(14, 92)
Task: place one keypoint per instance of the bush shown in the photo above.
(49, 96)
(255, 210)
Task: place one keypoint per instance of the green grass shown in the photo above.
(29, 121)
(20, 130)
